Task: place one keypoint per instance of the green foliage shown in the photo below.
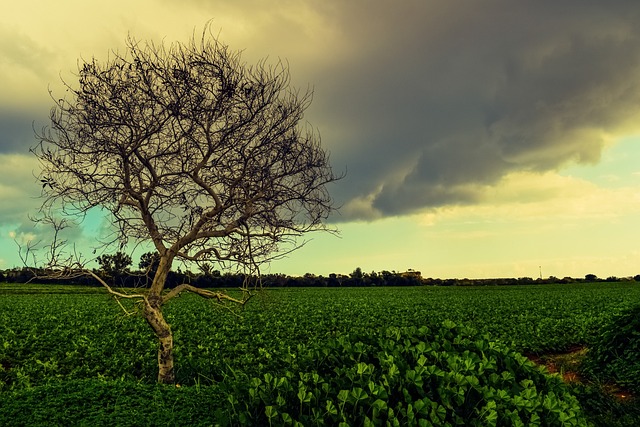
(606, 410)
(436, 376)
(115, 264)
(84, 334)
(109, 403)
(615, 354)
(46, 338)
(149, 262)
(303, 355)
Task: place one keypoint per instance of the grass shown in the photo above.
(70, 357)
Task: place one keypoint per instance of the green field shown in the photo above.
(70, 355)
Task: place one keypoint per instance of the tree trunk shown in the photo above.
(153, 315)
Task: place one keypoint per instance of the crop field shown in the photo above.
(306, 356)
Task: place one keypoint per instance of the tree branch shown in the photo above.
(219, 296)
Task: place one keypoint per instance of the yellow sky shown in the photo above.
(492, 141)
(556, 223)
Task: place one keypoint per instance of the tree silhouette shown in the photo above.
(192, 150)
(114, 266)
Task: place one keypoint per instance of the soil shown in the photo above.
(567, 364)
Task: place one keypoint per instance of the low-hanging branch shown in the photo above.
(205, 293)
(193, 151)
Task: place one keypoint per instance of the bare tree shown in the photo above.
(193, 150)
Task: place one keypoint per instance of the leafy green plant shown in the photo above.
(615, 355)
(319, 354)
(428, 376)
(604, 409)
(110, 403)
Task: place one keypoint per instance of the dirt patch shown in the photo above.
(567, 365)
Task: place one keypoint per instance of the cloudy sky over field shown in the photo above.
(480, 139)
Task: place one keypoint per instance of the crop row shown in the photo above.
(363, 356)
(76, 336)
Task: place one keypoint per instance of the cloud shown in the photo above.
(17, 130)
(18, 188)
(19, 192)
(438, 102)
(21, 51)
(424, 104)
(542, 199)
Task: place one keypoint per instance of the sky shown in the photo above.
(479, 139)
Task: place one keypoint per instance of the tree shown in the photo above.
(590, 277)
(114, 266)
(206, 269)
(356, 277)
(192, 150)
(149, 262)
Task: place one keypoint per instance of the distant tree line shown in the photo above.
(116, 268)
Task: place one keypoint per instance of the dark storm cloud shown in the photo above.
(16, 131)
(424, 103)
(437, 100)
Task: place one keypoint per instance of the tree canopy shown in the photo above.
(190, 149)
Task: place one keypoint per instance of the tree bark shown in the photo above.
(153, 315)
